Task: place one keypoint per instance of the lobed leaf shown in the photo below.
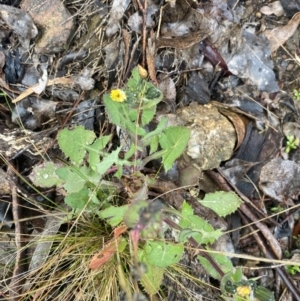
(163, 254)
(174, 141)
(196, 227)
(78, 200)
(95, 149)
(108, 161)
(113, 215)
(44, 175)
(73, 142)
(152, 279)
(73, 180)
(222, 202)
(121, 115)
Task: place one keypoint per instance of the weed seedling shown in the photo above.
(292, 143)
(296, 94)
(93, 180)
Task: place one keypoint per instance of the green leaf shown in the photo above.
(44, 175)
(119, 172)
(95, 149)
(73, 142)
(204, 235)
(89, 175)
(159, 129)
(135, 80)
(152, 279)
(113, 215)
(77, 200)
(147, 115)
(73, 180)
(186, 210)
(263, 294)
(153, 145)
(133, 114)
(222, 202)
(130, 152)
(196, 227)
(118, 113)
(108, 161)
(163, 254)
(152, 93)
(93, 198)
(222, 261)
(174, 141)
(237, 275)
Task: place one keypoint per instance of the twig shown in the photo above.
(144, 11)
(16, 281)
(287, 279)
(268, 239)
(150, 57)
(219, 178)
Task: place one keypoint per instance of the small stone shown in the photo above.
(258, 15)
(290, 67)
(212, 139)
(54, 21)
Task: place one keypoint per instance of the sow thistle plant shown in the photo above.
(94, 179)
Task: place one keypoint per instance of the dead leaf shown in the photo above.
(278, 179)
(116, 14)
(182, 42)
(150, 57)
(273, 8)
(119, 230)
(196, 90)
(135, 21)
(109, 249)
(279, 35)
(84, 80)
(253, 60)
(41, 86)
(19, 21)
(240, 124)
(103, 256)
(55, 81)
(167, 87)
(236, 169)
(127, 41)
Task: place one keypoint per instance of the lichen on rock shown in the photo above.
(212, 140)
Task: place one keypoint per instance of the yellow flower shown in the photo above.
(118, 95)
(244, 291)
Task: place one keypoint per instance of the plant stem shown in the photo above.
(154, 156)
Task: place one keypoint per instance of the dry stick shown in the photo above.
(279, 269)
(219, 178)
(254, 233)
(16, 281)
(80, 98)
(267, 236)
(127, 39)
(150, 57)
(144, 10)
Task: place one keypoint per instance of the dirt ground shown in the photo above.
(227, 70)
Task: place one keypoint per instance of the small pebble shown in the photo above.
(290, 67)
